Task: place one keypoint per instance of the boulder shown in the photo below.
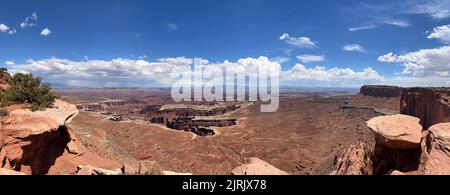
(256, 166)
(396, 131)
(355, 160)
(437, 151)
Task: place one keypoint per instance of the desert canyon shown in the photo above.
(380, 130)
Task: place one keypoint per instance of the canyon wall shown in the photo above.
(413, 143)
(430, 105)
(381, 91)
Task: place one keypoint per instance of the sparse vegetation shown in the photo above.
(3, 70)
(3, 112)
(25, 88)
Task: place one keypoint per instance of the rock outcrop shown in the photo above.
(256, 166)
(436, 150)
(397, 146)
(430, 105)
(41, 142)
(355, 160)
(381, 91)
(396, 131)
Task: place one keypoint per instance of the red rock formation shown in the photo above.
(41, 142)
(436, 150)
(381, 91)
(356, 160)
(430, 105)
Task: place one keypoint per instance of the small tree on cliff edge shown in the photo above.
(28, 89)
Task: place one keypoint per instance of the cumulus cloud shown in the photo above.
(164, 72)
(115, 72)
(3, 28)
(301, 42)
(29, 21)
(334, 76)
(425, 63)
(441, 33)
(354, 48)
(46, 32)
(311, 58)
(387, 58)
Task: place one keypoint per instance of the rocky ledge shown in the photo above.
(41, 143)
(401, 148)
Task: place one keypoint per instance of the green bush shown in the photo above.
(24, 88)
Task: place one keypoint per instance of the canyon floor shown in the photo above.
(304, 136)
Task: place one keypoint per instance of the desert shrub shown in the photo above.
(25, 88)
(3, 112)
(4, 99)
(3, 70)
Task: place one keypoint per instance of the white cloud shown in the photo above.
(28, 22)
(441, 33)
(280, 59)
(396, 22)
(165, 71)
(4, 28)
(104, 73)
(9, 63)
(387, 58)
(425, 63)
(437, 9)
(335, 76)
(12, 31)
(376, 22)
(353, 29)
(311, 58)
(46, 32)
(172, 27)
(302, 42)
(354, 48)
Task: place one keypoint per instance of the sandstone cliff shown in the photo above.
(401, 148)
(41, 142)
(430, 105)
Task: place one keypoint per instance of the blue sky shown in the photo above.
(85, 32)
